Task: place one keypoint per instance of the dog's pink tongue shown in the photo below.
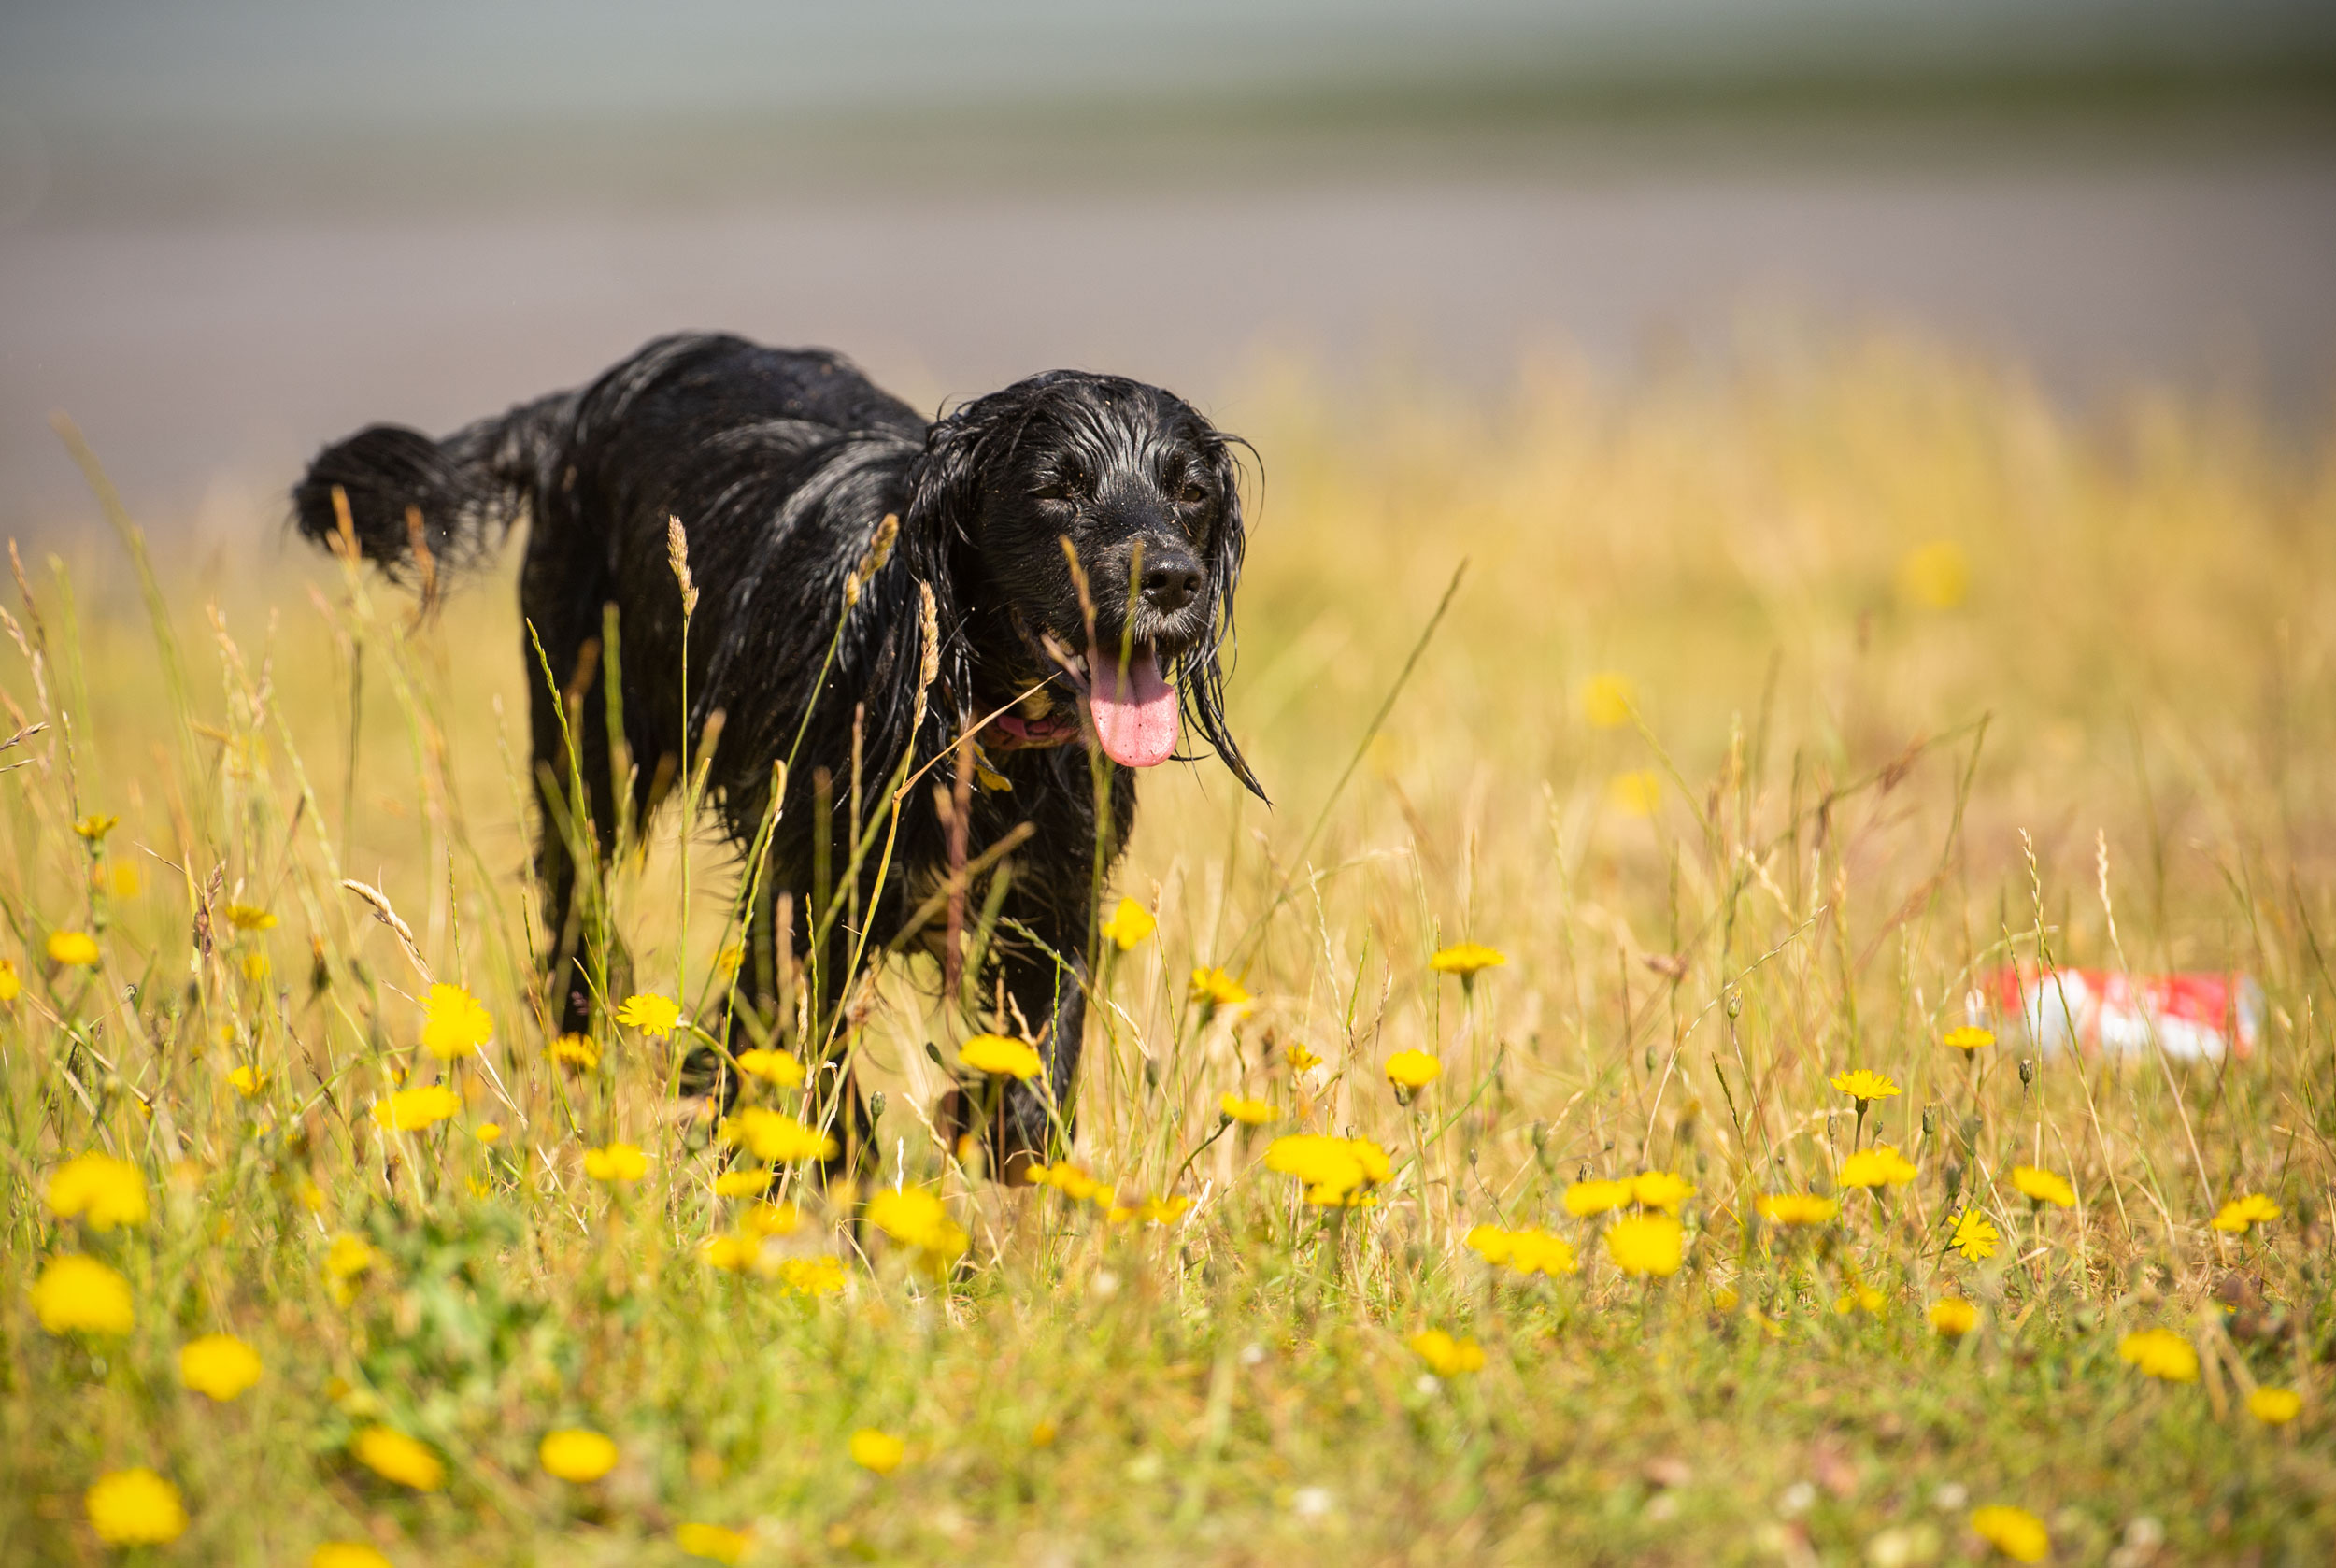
(1134, 710)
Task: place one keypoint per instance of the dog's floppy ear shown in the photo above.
(944, 503)
(1203, 667)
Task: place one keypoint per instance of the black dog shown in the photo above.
(1063, 582)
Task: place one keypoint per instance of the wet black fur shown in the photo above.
(780, 465)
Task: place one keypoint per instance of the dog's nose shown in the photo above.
(1169, 585)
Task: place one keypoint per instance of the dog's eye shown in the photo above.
(1065, 484)
(1193, 494)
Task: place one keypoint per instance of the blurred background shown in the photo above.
(230, 232)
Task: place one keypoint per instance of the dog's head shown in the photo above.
(1069, 481)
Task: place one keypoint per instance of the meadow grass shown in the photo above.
(1779, 702)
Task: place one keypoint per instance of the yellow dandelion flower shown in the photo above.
(618, 1163)
(1662, 1190)
(247, 1081)
(574, 1050)
(348, 1257)
(12, 983)
(75, 949)
(346, 1554)
(2274, 1408)
(1446, 1356)
(1636, 793)
(218, 1366)
(1537, 1252)
(1860, 1298)
(1220, 992)
(1250, 1113)
(730, 958)
(1337, 1172)
(774, 1138)
(1130, 923)
(454, 1023)
(1968, 1037)
(1952, 1316)
(1466, 959)
(651, 1014)
(879, 1451)
(247, 917)
(122, 881)
(79, 1294)
(1491, 1243)
(576, 1454)
(1607, 699)
(2240, 1213)
(135, 1507)
(822, 1275)
(1795, 1208)
(396, 1457)
(98, 1189)
(1878, 1166)
(2043, 1187)
(410, 1110)
(255, 967)
(96, 825)
(747, 1183)
(1972, 1235)
(715, 1542)
(1298, 1058)
(2163, 1354)
(2016, 1532)
(734, 1254)
(1000, 1057)
(916, 1217)
(1413, 1069)
(771, 1219)
(488, 1133)
(772, 1067)
(1935, 575)
(1863, 1085)
(1649, 1244)
(1161, 1211)
(1585, 1198)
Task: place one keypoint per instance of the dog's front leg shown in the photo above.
(1048, 991)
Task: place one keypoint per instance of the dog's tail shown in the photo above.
(454, 499)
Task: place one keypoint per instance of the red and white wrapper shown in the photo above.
(2197, 1015)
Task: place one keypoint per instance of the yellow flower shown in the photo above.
(2163, 1354)
(1936, 575)
(771, 1219)
(76, 948)
(453, 1022)
(75, 1293)
(879, 1451)
(1465, 958)
(12, 983)
(2240, 1213)
(711, 1541)
(620, 1162)
(1161, 1211)
(135, 1508)
(1218, 992)
(1000, 1057)
(1968, 1037)
(1446, 1356)
(1878, 1166)
(1662, 1190)
(1337, 1171)
(1795, 1208)
(916, 1217)
(776, 1138)
(1607, 699)
(248, 1081)
(734, 1254)
(396, 1457)
(747, 1183)
(255, 967)
(1646, 1243)
(1972, 1235)
(1250, 1113)
(651, 1014)
(1539, 1252)
(488, 1133)
(2043, 1187)
(99, 1190)
(574, 1050)
(1585, 1198)
(1635, 793)
(772, 1066)
(410, 1110)
(1130, 923)
(1413, 1069)
(1953, 1317)
(575, 1454)
(218, 1364)
(822, 1275)
(348, 1257)
(1860, 1298)
(346, 1554)
(1298, 1058)
(96, 825)
(2016, 1532)
(2274, 1408)
(245, 916)
(730, 958)
(1862, 1085)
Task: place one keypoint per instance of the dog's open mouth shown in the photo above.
(1133, 707)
